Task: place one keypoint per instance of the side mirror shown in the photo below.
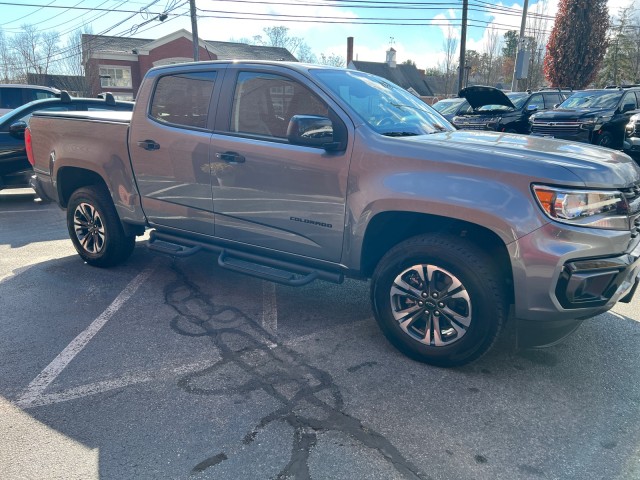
(532, 108)
(17, 129)
(556, 105)
(312, 131)
(627, 107)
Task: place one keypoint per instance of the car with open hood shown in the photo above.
(492, 109)
(598, 117)
(452, 107)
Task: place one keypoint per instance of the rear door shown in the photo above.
(267, 192)
(169, 149)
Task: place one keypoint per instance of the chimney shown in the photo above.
(391, 57)
(349, 50)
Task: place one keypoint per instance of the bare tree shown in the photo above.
(490, 59)
(332, 60)
(537, 28)
(33, 51)
(450, 46)
(7, 60)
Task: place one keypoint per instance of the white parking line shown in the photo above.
(112, 384)
(51, 372)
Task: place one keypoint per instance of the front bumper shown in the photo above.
(587, 278)
(581, 136)
(631, 145)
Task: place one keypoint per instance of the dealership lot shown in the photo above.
(168, 368)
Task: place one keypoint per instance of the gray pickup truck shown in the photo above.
(293, 172)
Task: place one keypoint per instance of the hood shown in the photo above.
(538, 157)
(479, 96)
(568, 114)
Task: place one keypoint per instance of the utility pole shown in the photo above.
(520, 54)
(463, 43)
(194, 31)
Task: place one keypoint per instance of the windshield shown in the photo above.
(385, 107)
(518, 99)
(448, 107)
(592, 99)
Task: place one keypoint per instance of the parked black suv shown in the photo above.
(510, 112)
(15, 169)
(591, 116)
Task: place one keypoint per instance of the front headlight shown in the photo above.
(606, 209)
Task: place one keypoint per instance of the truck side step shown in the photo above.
(264, 272)
(173, 249)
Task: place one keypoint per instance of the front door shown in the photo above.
(169, 150)
(267, 192)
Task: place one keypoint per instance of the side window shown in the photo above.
(537, 100)
(551, 99)
(629, 98)
(183, 99)
(10, 97)
(264, 103)
(41, 94)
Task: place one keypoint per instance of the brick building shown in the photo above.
(118, 64)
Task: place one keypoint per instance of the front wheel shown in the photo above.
(439, 300)
(95, 228)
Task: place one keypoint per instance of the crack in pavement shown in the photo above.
(253, 360)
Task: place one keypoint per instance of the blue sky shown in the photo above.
(417, 33)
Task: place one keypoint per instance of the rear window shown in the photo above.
(10, 97)
(183, 99)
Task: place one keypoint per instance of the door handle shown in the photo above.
(148, 145)
(230, 157)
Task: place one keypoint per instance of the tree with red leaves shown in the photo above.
(577, 43)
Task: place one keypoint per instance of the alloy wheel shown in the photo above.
(89, 228)
(431, 305)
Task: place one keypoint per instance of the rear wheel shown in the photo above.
(95, 228)
(439, 300)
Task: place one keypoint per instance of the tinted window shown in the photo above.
(552, 99)
(630, 98)
(35, 94)
(10, 97)
(183, 99)
(264, 103)
(538, 101)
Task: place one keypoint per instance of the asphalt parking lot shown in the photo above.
(166, 368)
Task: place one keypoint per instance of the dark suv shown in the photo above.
(15, 169)
(591, 116)
(510, 112)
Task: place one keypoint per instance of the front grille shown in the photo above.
(556, 129)
(632, 194)
(471, 126)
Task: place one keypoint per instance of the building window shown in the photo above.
(119, 77)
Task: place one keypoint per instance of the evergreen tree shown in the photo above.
(577, 44)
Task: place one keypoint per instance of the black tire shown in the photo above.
(434, 331)
(605, 139)
(95, 228)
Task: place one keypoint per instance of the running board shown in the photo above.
(266, 268)
(264, 272)
(169, 248)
